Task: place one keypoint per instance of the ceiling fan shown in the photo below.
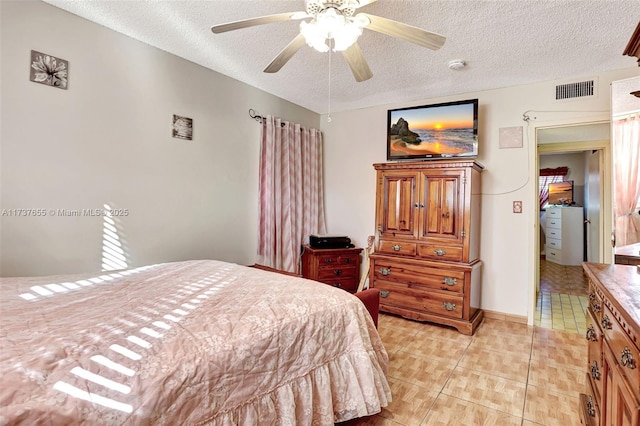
(333, 24)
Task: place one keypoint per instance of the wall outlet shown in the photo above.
(517, 206)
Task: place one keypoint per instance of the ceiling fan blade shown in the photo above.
(286, 54)
(267, 19)
(357, 63)
(403, 31)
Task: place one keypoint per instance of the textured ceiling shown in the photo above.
(503, 42)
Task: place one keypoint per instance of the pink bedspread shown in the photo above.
(196, 342)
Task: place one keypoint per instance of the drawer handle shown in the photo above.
(440, 252)
(591, 334)
(347, 260)
(592, 296)
(595, 372)
(626, 359)
(337, 272)
(595, 306)
(449, 306)
(328, 260)
(385, 271)
(590, 408)
(606, 322)
(449, 281)
(384, 293)
(339, 285)
(396, 247)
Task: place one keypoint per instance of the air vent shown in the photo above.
(575, 90)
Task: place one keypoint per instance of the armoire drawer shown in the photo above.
(420, 276)
(397, 247)
(440, 252)
(419, 299)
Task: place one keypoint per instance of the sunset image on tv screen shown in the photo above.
(447, 130)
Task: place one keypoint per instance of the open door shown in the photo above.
(592, 211)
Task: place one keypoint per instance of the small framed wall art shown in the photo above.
(49, 70)
(182, 127)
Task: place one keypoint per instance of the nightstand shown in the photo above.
(337, 267)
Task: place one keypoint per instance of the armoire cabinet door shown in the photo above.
(443, 198)
(399, 205)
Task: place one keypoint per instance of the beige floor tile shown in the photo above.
(556, 378)
(500, 328)
(431, 348)
(424, 372)
(529, 423)
(443, 333)
(449, 411)
(551, 408)
(490, 391)
(561, 355)
(508, 365)
(505, 343)
(546, 337)
(410, 403)
(394, 339)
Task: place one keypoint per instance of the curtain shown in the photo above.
(548, 176)
(291, 205)
(626, 151)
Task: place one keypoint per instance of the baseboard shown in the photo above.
(505, 317)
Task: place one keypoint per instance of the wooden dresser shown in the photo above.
(337, 267)
(426, 258)
(613, 331)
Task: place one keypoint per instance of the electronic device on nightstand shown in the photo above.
(329, 241)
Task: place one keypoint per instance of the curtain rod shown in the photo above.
(258, 117)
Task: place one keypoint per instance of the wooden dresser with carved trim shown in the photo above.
(612, 396)
(426, 258)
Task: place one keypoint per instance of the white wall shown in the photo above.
(107, 139)
(357, 139)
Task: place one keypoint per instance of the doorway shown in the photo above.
(561, 289)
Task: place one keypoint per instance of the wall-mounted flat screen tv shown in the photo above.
(561, 192)
(431, 132)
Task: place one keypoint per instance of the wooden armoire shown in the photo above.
(426, 260)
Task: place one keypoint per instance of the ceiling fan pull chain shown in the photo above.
(329, 109)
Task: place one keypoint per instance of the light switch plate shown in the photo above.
(517, 206)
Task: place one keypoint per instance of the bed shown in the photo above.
(196, 342)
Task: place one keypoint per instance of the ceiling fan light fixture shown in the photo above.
(330, 24)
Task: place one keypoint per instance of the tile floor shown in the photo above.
(505, 374)
(562, 300)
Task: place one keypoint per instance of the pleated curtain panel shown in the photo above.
(291, 205)
(626, 151)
